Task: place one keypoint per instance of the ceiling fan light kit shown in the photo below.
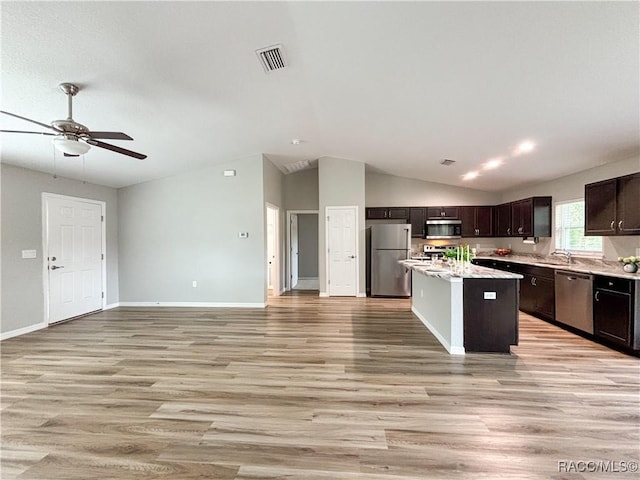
(73, 138)
(70, 146)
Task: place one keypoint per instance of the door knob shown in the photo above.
(352, 256)
(55, 267)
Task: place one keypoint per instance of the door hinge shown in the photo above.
(102, 294)
(102, 218)
(102, 256)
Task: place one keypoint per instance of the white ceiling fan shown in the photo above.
(73, 138)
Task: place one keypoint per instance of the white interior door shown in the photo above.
(73, 247)
(273, 247)
(342, 248)
(295, 251)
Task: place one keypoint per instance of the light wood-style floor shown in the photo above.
(309, 388)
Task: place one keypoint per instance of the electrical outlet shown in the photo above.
(194, 284)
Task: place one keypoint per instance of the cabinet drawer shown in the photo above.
(621, 285)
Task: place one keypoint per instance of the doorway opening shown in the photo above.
(273, 251)
(302, 248)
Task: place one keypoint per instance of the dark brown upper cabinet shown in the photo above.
(386, 213)
(502, 223)
(417, 219)
(531, 217)
(442, 212)
(477, 221)
(612, 207)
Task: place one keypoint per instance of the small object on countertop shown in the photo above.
(630, 264)
(502, 251)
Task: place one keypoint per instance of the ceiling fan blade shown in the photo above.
(113, 148)
(24, 131)
(110, 135)
(28, 120)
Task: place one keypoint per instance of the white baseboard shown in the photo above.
(361, 295)
(441, 339)
(323, 294)
(193, 304)
(111, 305)
(22, 331)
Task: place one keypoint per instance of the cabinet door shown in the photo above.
(484, 221)
(399, 213)
(516, 225)
(442, 212)
(503, 220)
(526, 217)
(545, 293)
(612, 316)
(628, 214)
(468, 218)
(417, 217)
(600, 208)
(527, 294)
(376, 213)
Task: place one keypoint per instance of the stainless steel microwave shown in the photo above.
(436, 229)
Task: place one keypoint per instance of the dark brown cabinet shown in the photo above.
(531, 217)
(490, 325)
(442, 212)
(537, 291)
(612, 207)
(476, 221)
(385, 213)
(502, 224)
(537, 288)
(417, 219)
(615, 311)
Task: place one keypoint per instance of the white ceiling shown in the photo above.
(399, 86)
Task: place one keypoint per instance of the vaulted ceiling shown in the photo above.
(399, 86)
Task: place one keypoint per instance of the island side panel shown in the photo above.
(437, 303)
(490, 324)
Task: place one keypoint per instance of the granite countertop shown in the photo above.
(579, 265)
(443, 272)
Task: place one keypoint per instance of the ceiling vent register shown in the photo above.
(271, 58)
(446, 162)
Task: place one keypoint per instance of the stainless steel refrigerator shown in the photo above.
(389, 244)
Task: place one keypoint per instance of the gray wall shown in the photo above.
(184, 228)
(571, 187)
(301, 190)
(341, 183)
(391, 191)
(273, 185)
(22, 288)
(308, 245)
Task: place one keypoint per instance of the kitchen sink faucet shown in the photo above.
(563, 253)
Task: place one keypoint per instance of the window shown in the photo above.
(569, 230)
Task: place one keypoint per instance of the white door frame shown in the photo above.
(277, 285)
(327, 213)
(287, 281)
(45, 246)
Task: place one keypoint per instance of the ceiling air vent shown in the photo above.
(297, 166)
(271, 58)
(446, 162)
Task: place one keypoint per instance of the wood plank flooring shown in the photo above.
(309, 388)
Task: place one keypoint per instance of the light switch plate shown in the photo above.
(29, 254)
(489, 295)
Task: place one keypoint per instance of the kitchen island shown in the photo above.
(472, 311)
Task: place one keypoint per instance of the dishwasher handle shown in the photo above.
(574, 276)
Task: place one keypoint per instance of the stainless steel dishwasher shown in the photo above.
(574, 304)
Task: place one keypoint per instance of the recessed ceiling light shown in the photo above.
(493, 163)
(470, 175)
(295, 141)
(525, 147)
